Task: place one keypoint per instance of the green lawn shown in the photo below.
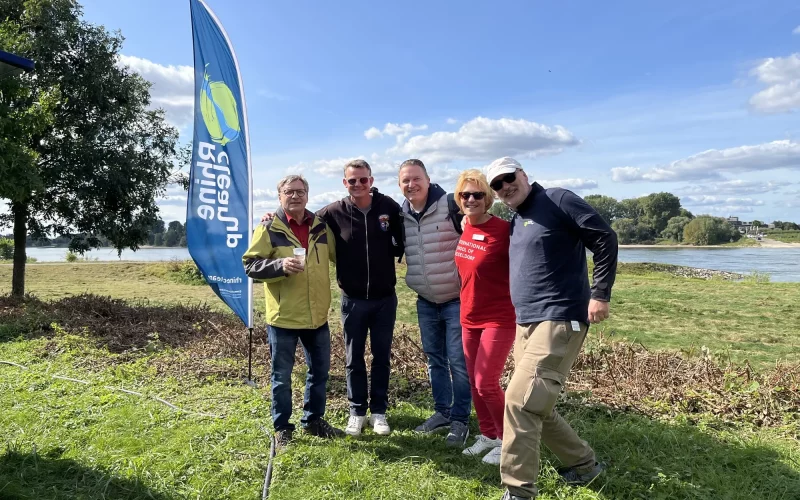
(784, 236)
(68, 440)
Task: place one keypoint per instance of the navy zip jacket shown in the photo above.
(366, 245)
(549, 236)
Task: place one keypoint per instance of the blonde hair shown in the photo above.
(474, 176)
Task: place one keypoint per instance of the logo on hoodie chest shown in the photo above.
(384, 220)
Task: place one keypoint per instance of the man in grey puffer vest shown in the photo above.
(430, 244)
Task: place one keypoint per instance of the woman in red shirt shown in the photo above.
(487, 315)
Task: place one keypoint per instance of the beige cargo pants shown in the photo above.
(543, 355)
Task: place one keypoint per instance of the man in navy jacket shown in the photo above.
(554, 304)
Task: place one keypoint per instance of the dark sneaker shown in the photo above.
(509, 496)
(457, 437)
(283, 438)
(323, 429)
(573, 477)
(435, 423)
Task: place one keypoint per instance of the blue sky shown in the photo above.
(621, 98)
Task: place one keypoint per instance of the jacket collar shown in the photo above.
(531, 198)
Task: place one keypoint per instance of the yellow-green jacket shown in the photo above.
(300, 301)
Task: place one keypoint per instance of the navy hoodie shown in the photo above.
(366, 245)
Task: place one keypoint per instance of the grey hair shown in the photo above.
(290, 179)
(414, 162)
(358, 163)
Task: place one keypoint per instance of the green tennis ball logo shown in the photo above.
(220, 114)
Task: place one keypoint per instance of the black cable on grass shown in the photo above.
(268, 475)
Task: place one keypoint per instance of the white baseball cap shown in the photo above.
(502, 166)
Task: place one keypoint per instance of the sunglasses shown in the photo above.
(497, 184)
(464, 195)
(362, 180)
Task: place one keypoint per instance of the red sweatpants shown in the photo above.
(486, 350)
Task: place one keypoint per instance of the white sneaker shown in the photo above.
(482, 443)
(354, 425)
(493, 457)
(379, 424)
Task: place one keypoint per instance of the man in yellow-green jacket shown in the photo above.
(290, 255)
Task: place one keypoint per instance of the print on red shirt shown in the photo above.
(482, 261)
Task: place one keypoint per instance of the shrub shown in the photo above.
(6, 249)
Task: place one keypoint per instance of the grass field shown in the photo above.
(68, 440)
(784, 236)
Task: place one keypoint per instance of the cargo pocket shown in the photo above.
(543, 392)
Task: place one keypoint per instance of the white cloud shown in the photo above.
(796, 31)
(714, 162)
(444, 176)
(577, 184)
(452, 121)
(733, 187)
(704, 201)
(172, 90)
(264, 195)
(782, 77)
(482, 139)
(317, 201)
(398, 131)
(382, 168)
(717, 205)
(373, 133)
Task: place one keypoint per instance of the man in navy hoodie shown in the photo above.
(368, 230)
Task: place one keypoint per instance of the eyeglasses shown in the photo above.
(497, 184)
(362, 180)
(289, 193)
(464, 195)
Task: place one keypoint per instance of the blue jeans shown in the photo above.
(317, 349)
(440, 329)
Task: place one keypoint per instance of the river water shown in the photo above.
(782, 264)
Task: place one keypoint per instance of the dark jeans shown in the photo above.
(317, 348)
(358, 317)
(440, 329)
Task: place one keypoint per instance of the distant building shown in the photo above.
(741, 226)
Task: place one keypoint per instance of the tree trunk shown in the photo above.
(20, 211)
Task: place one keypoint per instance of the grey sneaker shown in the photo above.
(435, 423)
(509, 496)
(457, 437)
(572, 477)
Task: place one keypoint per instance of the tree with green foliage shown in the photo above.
(625, 229)
(607, 206)
(501, 210)
(786, 226)
(176, 232)
(631, 208)
(6, 249)
(81, 155)
(674, 229)
(659, 208)
(707, 230)
(758, 223)
(685, 213)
